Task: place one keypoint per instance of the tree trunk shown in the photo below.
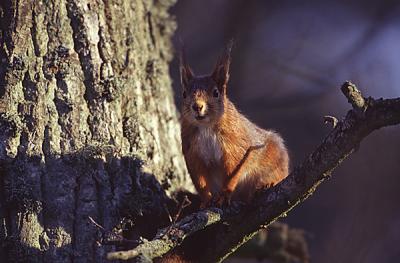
(88, 125)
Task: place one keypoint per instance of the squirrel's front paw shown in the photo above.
(206, 200)
(206, 204)
(224, 198)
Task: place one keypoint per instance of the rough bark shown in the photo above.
(88, 125)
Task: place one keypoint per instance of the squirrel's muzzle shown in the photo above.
(199, 107)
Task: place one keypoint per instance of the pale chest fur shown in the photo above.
(208, 146)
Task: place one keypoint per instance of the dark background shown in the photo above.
(289, 60)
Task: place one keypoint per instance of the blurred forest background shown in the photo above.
(289, 60)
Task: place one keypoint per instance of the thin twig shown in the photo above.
(96, 224)
(331, 120)
(116, 239)
(185, 203)
(168, 213)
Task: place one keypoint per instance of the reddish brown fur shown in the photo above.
(215, 145)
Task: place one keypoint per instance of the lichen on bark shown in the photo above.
(87, 122)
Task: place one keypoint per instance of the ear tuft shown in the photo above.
(221, 70)
(185, 70)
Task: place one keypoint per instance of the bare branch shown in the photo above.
(304, 179)
(170, 237)
(234, 227)
(354, 97)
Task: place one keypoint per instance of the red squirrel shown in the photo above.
(227, 156)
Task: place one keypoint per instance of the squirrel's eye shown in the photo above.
(215, 93)
(184, 94)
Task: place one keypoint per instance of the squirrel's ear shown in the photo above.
(185, 70)
(221, 70)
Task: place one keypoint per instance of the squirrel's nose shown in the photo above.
(197, 107)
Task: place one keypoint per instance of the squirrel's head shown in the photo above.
(204, 96)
